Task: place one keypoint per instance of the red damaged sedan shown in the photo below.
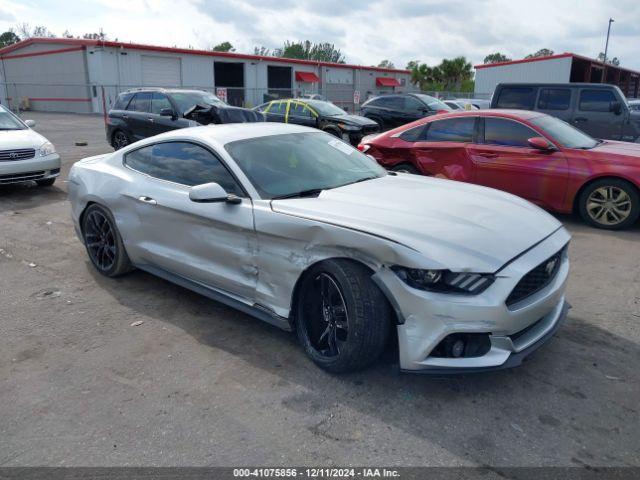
(529, 154)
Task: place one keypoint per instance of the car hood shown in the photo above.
(14, 139)
(618, 148)
(352, 120)
(456, 225)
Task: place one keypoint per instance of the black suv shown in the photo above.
(319, 114)
(598, 109)
(142, 113)
(391, 111)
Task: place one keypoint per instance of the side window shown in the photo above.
(278, 108)
(517, 97)
(500, 131)
(596, 100)
(182, 162)
(414, 106)
(300, 110)
(122, 101)
(450, 130)
(554, 99)
(392, 101)
(413, 134)
(141, 102)
(159, 101)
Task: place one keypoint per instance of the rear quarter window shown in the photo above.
(554, 99)
(522, 98)
(122, 101)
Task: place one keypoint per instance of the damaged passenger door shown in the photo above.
(213, 244)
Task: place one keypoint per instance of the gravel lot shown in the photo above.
(201, 384)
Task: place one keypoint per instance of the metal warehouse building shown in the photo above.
(566, 67)
(74, 75)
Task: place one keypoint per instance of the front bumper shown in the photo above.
(426, 318)
(37, 168)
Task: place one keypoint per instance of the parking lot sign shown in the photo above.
(356, 97)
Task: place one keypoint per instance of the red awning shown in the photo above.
(307, 77)
(387, 82)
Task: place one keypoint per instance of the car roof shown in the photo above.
(231, 132)
(556, 85)
(494, 112)
(165, 90)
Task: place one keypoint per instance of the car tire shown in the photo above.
(610, 203)
(406, 168)
(352, 329)
(103, 242)
(47, 182)
(119, 140)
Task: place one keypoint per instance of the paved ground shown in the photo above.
(200, 384)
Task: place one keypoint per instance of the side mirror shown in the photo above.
(540, 143)
(30, 123)
(167, 112)
(211, 193)
(616, 108)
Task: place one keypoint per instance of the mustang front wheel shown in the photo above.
(610, 203)
(343, 319)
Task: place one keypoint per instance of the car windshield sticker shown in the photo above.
(340, 145)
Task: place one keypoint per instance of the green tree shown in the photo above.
(543, 52)
(386, 64)
(425, 77)
(262, 51)
(8, 38)
(95, 36)
(306, 50)
(611, 61)
(455, 71)
(224, 47)
(496, 58)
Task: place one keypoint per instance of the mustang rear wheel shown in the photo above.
(343, 319)
(103, 242)
(610, 203)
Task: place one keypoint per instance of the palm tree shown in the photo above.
(454, 72)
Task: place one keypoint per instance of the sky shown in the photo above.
(366, 31)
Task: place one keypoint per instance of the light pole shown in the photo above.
(606, 46)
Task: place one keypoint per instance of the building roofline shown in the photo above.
(551, 57)
(156, 48)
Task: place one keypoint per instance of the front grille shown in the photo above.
(13, 155)
(20, 177)
(536, 279)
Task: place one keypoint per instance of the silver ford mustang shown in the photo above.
(301, 230)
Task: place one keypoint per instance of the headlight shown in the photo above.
(47, 149)
(349, 128)
(444, 281)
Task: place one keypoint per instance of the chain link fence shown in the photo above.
(96, 98)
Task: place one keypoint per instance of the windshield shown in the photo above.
(325, 108)
(8, 121)
(186, 100)
(432, 102)
(283, 165)
(565, 134)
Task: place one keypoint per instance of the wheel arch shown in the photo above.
(295, 294)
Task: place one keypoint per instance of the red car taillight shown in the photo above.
(363, 147)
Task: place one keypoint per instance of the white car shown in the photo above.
(25, 154)
(299, 229)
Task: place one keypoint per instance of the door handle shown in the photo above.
(150, 119)
(581, 119)
(148, 200)
(487, 154)
(125, 116)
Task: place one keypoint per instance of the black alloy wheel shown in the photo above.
(103, 243)
(120, 140)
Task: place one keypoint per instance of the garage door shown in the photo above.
(160, 71)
